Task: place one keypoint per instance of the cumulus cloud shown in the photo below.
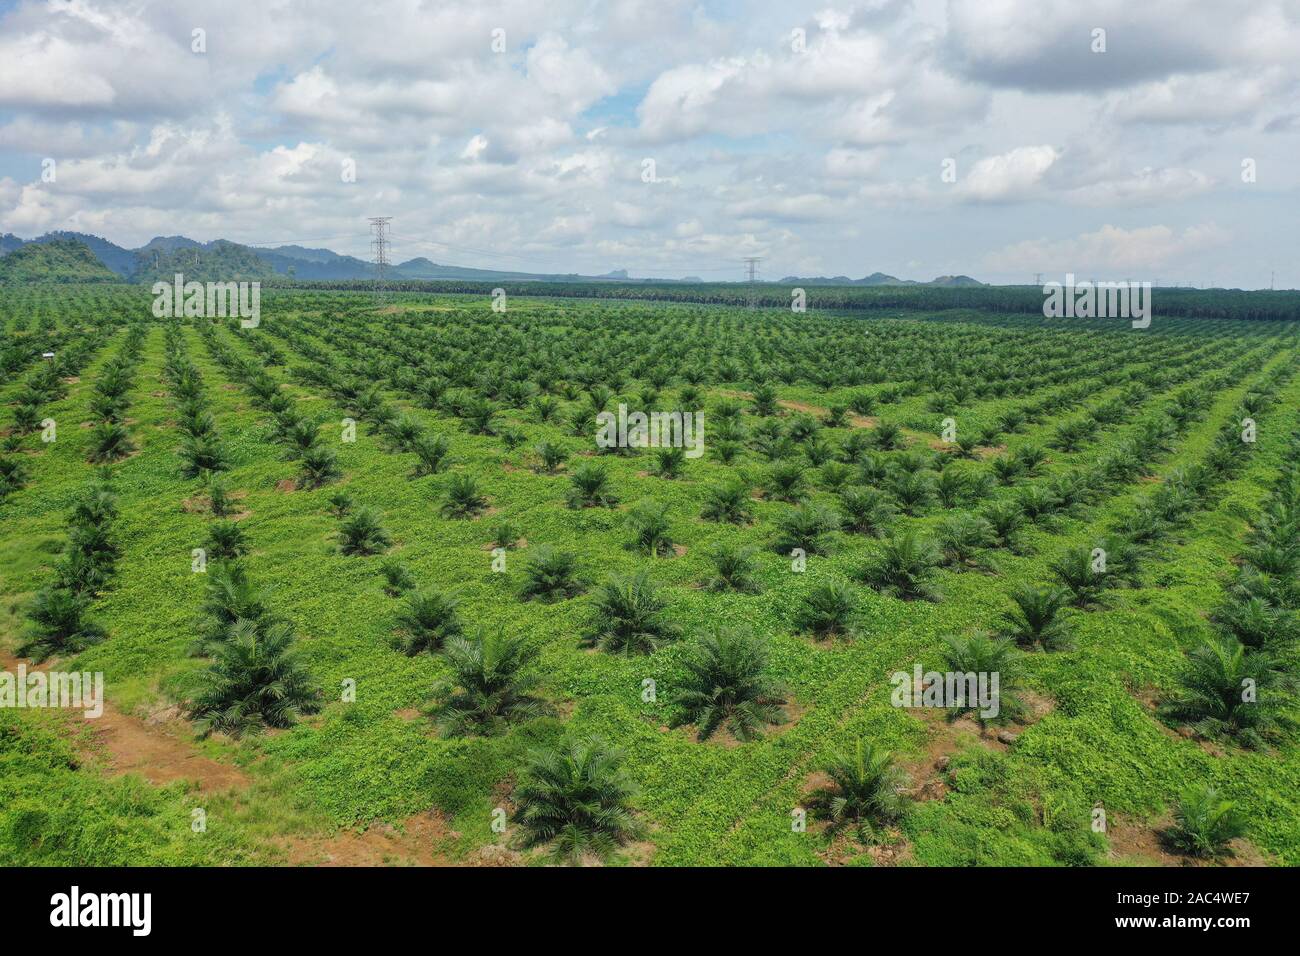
(808, 133)
(1109, 250)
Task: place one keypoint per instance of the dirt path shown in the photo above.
(127, 744)
(156, 750)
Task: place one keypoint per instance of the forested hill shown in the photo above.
(60, 260)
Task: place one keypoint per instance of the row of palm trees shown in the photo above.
(58, 617)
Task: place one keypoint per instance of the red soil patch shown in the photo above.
(411, 844)
(152, 749)
(1133, 841)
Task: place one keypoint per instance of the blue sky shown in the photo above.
(814, 136)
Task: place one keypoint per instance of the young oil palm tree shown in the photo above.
(866, 511)
(550, 456)
(362, 534)
(1204, 822)
(913, 491)
(219, 502)
(57, 624)
(888, 436)
(727, 684)
(808, 527)
(488, 688)
(202, 456)
(225, 541)
(1226, 692)
(765, 400)
(904, 568)
(786, 481)
(398, 578)
(576, 797)
(550, 575)
(728, 502)
(229, 596)
(320, 466)
(464, 498)
(827, 611)
(341, 504)
(1076, 569)
(630, 616)
(866, 790)
(109, 442)
(964, 540)
(431, 453)
(981, 654)
(669, 462)
(255, 681)
(1006, 518)
(647, 521)
(1257, 623)
(590, 487)
(1035, 618)
(427, 621)
(734, 568)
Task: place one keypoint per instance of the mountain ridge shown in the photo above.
(225, 260)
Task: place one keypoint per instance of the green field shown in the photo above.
(1063, 437)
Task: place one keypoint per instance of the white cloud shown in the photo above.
(1110, 249)
(1017, 174)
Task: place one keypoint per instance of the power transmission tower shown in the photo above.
(1038, 278)
(751, 276)
(379, 249)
